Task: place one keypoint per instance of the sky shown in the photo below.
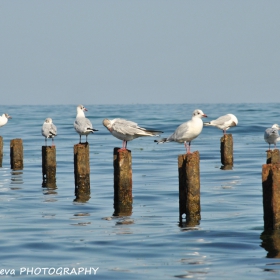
(139, 51)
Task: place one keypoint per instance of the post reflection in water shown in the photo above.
(16, 177)
(271, 243)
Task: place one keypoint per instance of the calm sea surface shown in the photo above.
(46, 228)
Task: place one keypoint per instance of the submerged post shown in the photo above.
(122, 181)
(271, 195)
(1, 150)
(82, 168)
(227, 149)
(189, 188)
(49, 164)
(16, 154)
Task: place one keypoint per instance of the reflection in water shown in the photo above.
(16, 177)
(271, 243)
(49, 189)
(79, 216)
(226, 167)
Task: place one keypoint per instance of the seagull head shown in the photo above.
(198, 114)
(107, 124)
(276, 126)
(7, 116)
(81, 108)
(48, 120)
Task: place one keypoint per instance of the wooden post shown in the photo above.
(81, 167)
(189, 188)
(271, 195)
(122, 182)
(49, 164)
(82, 194)
(1, 150)
(272, 156)
(16, 154)
(227, 149)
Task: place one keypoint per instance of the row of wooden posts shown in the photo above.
(189, 178)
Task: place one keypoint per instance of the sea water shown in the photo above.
(46, 232)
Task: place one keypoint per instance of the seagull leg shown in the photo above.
(45, 141)
(123, 145)
(188, 147)
(52, 142)
(80, 139)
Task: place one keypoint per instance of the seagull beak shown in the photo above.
(9, 117)
(205, 116)
(85, 109)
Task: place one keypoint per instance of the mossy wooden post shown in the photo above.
(272, 156)
(49, 164)
(271, 195)
(82, 168)
(16, 154)
(189, 188)
(227, 150)
(1, 150)
(122, 181)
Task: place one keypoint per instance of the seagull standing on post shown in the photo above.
(187, 131)
(49, 130)
(127, 130)
(271, 135)
(82, 124)
(223, 122)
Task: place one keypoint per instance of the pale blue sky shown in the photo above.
(138, 51)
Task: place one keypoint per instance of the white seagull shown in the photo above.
(83, 125)
(223, 122)
(187, 131)
(127, 130)
(4, 119)
(49, 130)
(271, 135)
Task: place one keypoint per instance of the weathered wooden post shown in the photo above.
(82, 168)
(273, 156)
(49, 165)
(271, 195)
(227, 150)
(189, 188)
(1, 150)
(16, 154)
(122, 182)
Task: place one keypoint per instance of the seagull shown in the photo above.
(49, 130)
(127, 130)
(271, 135)
(83, 125)
(4, 119)
(223, 122)
(187, 131)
